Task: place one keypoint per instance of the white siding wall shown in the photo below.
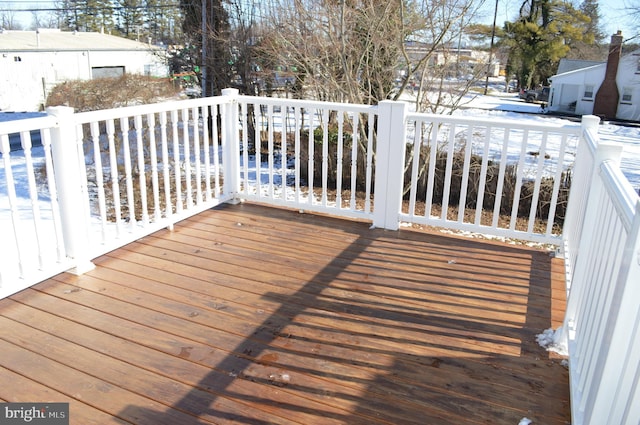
(564, 91)
(26, 82)
(629, 78)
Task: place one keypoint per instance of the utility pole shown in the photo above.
(203, 67)
(493, 36)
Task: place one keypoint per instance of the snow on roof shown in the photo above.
(48, 39)
(567, 65)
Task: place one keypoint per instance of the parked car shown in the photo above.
(540, 95)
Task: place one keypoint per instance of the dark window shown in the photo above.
(107, 72)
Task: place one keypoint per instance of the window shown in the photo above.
(588, 91)
(107, 71)
(626, 95)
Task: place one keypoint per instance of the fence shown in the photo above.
(116, 175)
(602, 321)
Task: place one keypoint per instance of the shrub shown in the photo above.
(106, 93)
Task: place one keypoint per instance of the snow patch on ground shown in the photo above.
(554, 341)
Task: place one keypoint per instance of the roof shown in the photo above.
(578, 71)
(50, 39)
(567, 65)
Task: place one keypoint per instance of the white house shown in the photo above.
(609, 89)
(32, 62)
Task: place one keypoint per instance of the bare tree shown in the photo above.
(365, 51)
(8, 19)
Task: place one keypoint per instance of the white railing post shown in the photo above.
(231, 144)
(390, 153)
(69, 183)
(584, 167)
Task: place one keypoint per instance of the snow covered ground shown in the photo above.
(508, 106)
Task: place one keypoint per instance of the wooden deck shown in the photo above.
(253, 315)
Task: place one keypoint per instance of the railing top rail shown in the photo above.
(592, 139)
(569, 128)
(128, 111)
(27, 124)
(346, 107)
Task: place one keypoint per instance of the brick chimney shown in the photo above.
(606, 101)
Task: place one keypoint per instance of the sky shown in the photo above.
(614, 17)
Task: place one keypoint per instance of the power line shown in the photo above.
(93, 8)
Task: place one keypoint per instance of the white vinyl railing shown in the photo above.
(602, 321)
(489, 176)
(117, 175)
(103, 179)
(313, 156)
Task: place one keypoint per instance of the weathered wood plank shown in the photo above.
(246, 314)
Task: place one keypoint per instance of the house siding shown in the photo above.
(28, 75)
(570, 87)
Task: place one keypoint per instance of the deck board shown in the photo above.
(253, 315)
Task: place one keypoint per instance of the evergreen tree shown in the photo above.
(162, 20)
(86, 15)
(543, 34)
(131, 18)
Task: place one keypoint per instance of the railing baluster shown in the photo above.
(270, 148)
(355, 141)
(94, 129)
(153, 158)
(25, 139)
(369, 176)
(536, 186)
(501, 176)
(206, 146)
(297, 116)
(166, 167)
(142, 178)
(433, 153)
(483, 177)
(258, 109)
(245, 149)
(448, 171)
(126, 149)
(186, 146)
(325, 155)
(113, 169)
(340, 158)
(13, 200)
(45, 135)
(556, 186)
(415, 165)
(311, 154)
(196, 154)
(177, 164)
(215, 143)
(465, 174)
(283, 151)
(518, 182)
